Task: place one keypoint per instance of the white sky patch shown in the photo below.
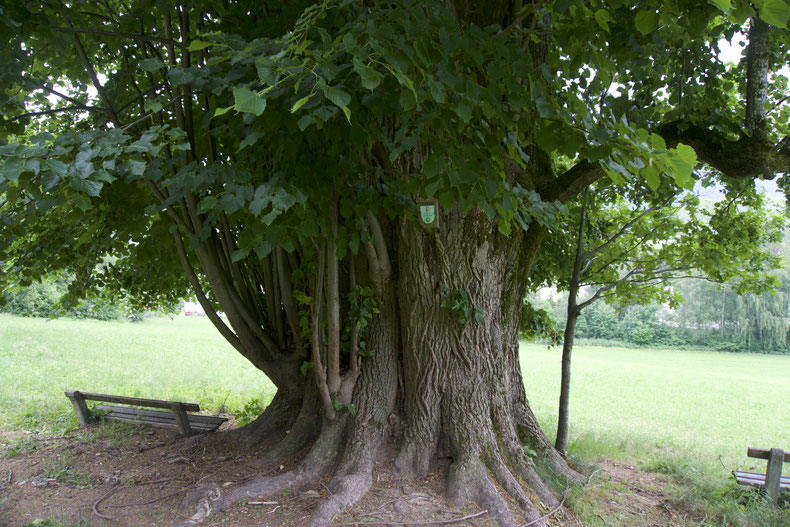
(731, 51)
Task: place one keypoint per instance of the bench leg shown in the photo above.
(181, 419)
(773, 476)
(83, 414)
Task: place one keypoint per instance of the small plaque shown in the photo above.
(429, 213)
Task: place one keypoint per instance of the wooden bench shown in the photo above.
(772, 480)
(175, 417)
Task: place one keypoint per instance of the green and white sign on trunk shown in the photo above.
(429, 213)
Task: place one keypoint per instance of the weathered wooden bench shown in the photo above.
(772, 480)
(176, 417)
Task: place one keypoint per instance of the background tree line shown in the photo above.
(45, 299)
(711, 316)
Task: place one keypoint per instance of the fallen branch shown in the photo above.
(146, 502)
(152, 446)
(106, 495)
(426, 522)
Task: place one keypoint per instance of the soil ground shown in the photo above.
(121, 475)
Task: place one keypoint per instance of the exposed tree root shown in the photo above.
(278, 416)
(211, 498)
(468, 480)
(301, 434)
(375, 399)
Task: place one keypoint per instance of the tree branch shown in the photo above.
(757, 66)
(318, 367)
(625, 228)
(291, 313)
(571, 183)
(224, 330)
(333, 307)
(57, 110)
(94, 78)
(117, 34)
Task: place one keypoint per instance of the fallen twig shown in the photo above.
(425, 522)
(154, 481)
(262, 503)
(114, 489)
(106, 495)
(146, 502)
(152, 446)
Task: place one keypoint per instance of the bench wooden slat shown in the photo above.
(772, 481)
(194, 419)
(764, 453)
(177, 417)
(161, 423)
(756, 476)
(119, 399)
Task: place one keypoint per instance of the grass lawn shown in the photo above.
(163, 358)
(666, 411)
(660, 405)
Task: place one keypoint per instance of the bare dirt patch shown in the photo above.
(119, 475)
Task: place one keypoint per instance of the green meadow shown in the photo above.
(663, 403)
(688, 414)
(164, 358)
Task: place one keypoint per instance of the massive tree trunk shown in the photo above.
(455, 300)
(443, 386)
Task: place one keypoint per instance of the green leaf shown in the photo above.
(724, 5)
(221, 111)
(152, 105)
(347, 113)
(464, 110)
(266, 67)
(647, 21)
(86, 186)
(774, 12)
(545, 109)
(340, 98)
(305, 367)
(182, 76)
(11, 169)
(603, 18)
(247, 101)
(447, 199)
(305, 121)
(550, 138)
(197, 45)
(151, 65)
(682, 171)
(59, 168)
(250, 140)
(437, 91)
(657, 142)
(370, 77)
(651, 176)
(82, 201)
(136, 167)
(687, 154)
(301, 102)
(407, 99)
